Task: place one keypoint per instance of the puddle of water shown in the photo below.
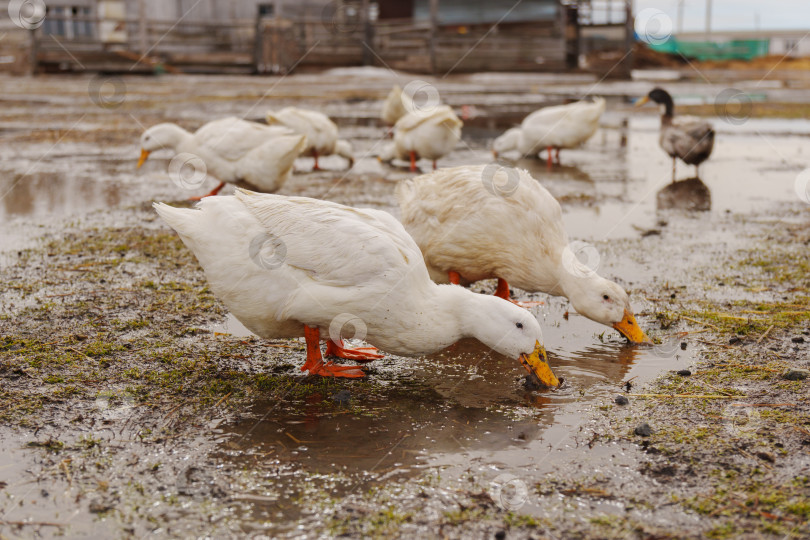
(469, 405)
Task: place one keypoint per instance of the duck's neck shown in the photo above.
(669, 110)
(180, 138)
(577, 286)
(451, 313)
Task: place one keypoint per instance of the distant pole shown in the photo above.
(434, 26)
(368, 57)
(629, 38)
(708, 19)
(680, 16)
(142, 26)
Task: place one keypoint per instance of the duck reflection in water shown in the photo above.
(690, 194)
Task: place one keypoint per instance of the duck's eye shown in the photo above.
(519, 325)
(605, 297)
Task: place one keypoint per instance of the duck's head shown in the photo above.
(511, 331)
(660, 96)
(166, 135)
(510, 140)
(387, 153)
(606, 302)
(343, 148)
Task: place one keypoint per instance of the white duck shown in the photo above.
(395, 106)
(487, 221)
(233, 150)
(292, 266)
(429, 134)
(321, 132)
(553, 128)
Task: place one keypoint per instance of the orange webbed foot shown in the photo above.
(330, 369)
(359, 354)
(211, 194)
(315, 364)
(528, 304)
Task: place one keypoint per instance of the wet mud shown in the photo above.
(134, 404)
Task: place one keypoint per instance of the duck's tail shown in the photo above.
(181, 220)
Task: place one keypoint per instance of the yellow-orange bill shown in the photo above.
(629, 328)
(144, 156)
(537, 363)
(642, 101)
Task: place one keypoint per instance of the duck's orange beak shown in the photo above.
(536, 364)
(144, 157)
(629, 328)
(642, 101)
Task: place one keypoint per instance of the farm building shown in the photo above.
(280, 35)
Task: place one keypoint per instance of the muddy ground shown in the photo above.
(131, 404)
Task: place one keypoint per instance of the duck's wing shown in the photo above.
(320, 130)
(394, 106)
(233, 138)
(688, 137)
(335, 245)
(441, 115)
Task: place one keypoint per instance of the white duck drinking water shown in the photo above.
(292, 266)
(485, 221)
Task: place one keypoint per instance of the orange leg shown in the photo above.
(213, 192)
(413, 161)
(503, 289)
(315, 155)
(503, 292)
(434, 164)
(455, 277)
(360, 354)
(315, 364)
(558, 156)
(548, 158)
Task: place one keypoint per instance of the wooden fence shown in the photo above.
(281, 45)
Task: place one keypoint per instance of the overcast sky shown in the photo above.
(735, 14)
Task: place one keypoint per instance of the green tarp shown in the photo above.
(738, 49)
